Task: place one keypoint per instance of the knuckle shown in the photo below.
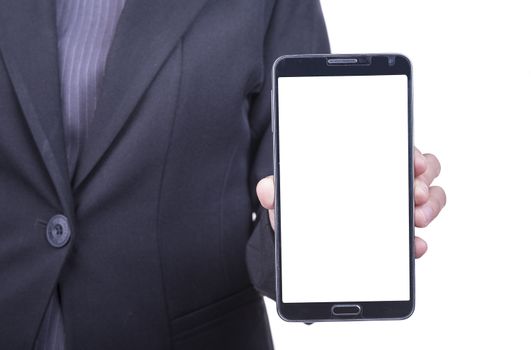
(440, 196)
(434, 161)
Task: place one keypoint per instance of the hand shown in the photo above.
(429, 200)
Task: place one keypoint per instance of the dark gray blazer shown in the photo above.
(163, 252)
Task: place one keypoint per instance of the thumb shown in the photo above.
(265, 190)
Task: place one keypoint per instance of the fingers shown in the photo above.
(426, 212)
(419, 162)
(427, 168)
(265, 190)
(420, 247)
(429, 201)
(421, 191)
(433, 169)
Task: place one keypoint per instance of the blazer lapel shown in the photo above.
(146, 34)
(28, 41)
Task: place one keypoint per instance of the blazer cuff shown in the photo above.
(260, 256)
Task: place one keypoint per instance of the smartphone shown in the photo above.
(343, 157)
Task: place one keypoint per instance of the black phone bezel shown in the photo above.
(340, 65)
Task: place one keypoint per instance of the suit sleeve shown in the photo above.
(294, 27)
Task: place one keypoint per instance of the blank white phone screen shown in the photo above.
(343, 161)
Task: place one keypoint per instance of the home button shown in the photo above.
(346, 310)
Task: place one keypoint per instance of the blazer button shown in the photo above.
(58, 231)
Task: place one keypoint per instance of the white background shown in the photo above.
(343, 250)
(472, 102)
